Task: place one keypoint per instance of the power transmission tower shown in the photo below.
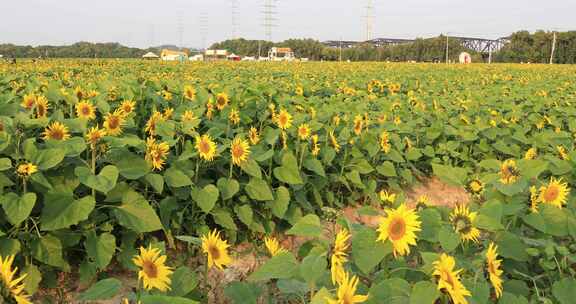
(151, 41)
(369, 20)
(180, 31)
(203, 27)
(447, 47)
(269, 11)
(234, 19)
(553, 48)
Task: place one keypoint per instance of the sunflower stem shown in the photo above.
(93, 165)
(196, 172)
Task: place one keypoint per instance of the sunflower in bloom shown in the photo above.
(156, 153)
(562, 152)
(85, 110)
(12, 287)
(221, 101)
(27, 169)
(315, 146)
(509, 173)
(152, 122)
(273, 246)
(385, 145)
(209, 109)
(449, 279)
(534, 199)
(387, 197)
(476, 186)
(339, 255)
(284, 120)
(167, 114)
(78, 93)
(253, 136)
(493, 268)
(188, 116)
(153, 272)
(216, 250)
(423, 201)
(334, 141)
(346, 293)
(234, 117)
(358, 124)
(400, 227)
(397, 120)
(42, 106)
(28, 101)
(56, 131)
(336, 120)
(299, 91)
(303, 131)
(94, 135)
(189, 92)
(463, 221)
(532, 153)
(240, 150)
(555, 193)
(127, 107)
(206, 147)
(113, 122)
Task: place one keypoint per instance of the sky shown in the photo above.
(198, 23)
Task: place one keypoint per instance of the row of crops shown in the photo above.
(156, 171)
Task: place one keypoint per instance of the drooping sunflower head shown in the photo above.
(42, 106)
(153, 273)
(206, 147)
(493, 269)
(26, 169)
(273, 246)
(216, 250)
(254, 136)
(156, 153)
(315, 146)
(509, 172)
(463, 222)
(221, 101)
(334, 141)
(28, 101)
(209, 109)
(113, 122)
(167, 114)
(12, 287)
(562, 152)
(346, 293)
(336, 120)
(56, 131)
(85, 110)
(400, 227)
(234, 116)
(94, 135)
(449, 279)
(423, 201)
(78, 93)
(385, 145)
(532, 153)
(240, 150)
(358, 124)
(386, 197)
(284, 119)
(555, 193)
(339, 256)
(303, 131)
(127, 107)
(152, 121)
(189, 92)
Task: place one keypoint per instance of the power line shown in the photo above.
(269, 11)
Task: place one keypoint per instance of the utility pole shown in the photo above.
(340, 50)
(369, 20)
(553, 48)
(447, 58)
(490, 55)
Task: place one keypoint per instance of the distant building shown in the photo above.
(216, 55)
(150, 56)
(281, 54)
(198, 57)
(233, 57)
(170, 55)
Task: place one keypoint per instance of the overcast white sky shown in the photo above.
(143, 22)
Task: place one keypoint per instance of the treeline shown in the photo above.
(537, 47)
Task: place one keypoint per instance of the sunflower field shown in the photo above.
(145, 182)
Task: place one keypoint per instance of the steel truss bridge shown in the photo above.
(480, 45)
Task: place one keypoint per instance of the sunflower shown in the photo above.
(209, 109)
(532, 153)
(127, 107)
(253, 136)
(152, 122)
(113, 123)
(299, 91)
(188, 116)
(234, 117)
(221, 101)
(312, 112)
(400, 227)
(206, 147)
(555, 193)
(562, 152)
(347, 291)
(476, 186)
(303, 131)
(463, 221)
(85, 110)
(534, 199)
(27, 169)
(56, 131)
(153, 272)
(240, 150)
(78, 93)
(315, 146)
(397, 120)
(94, 135)
(387, 197)
(509, 173)
(28, 101)
(13, 288)
(284, 120)
(449, 279)
(493, 268)
(423, 201)
(189, 92)
(358, 124)
(385, 142)
(156, 153)
(216, 250)
(336, 120)
(273, 246)
(42, 106)
(166, 94)
(334, 141)
(339, 255)
(167, 114)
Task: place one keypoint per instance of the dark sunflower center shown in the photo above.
(150, 269)
(204, 147)
(238, 151)
(57, 134)
(397, 229)
(462, 224)
(113, 122)
(551, 193)
(85, 110)
(214, 252)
